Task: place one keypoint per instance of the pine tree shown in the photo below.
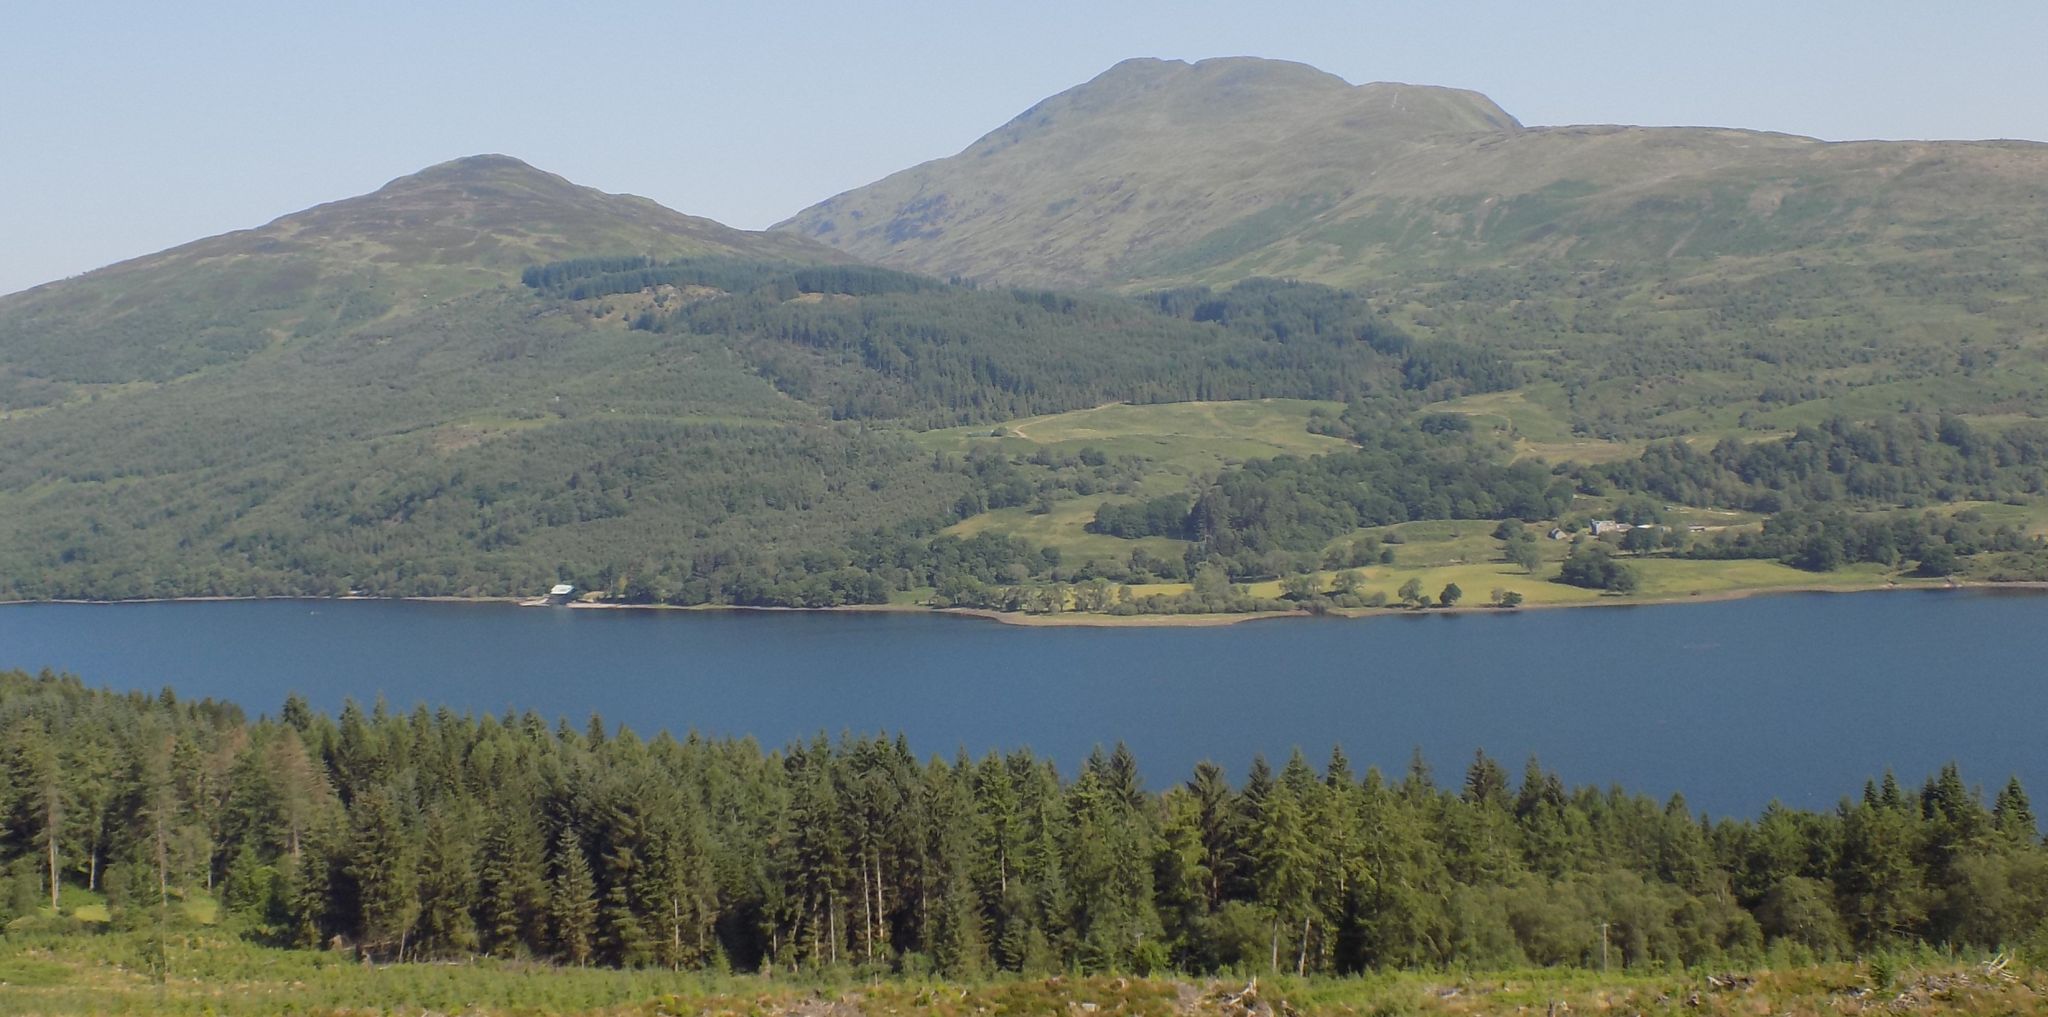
(384, 864)
(998, 825)
(1046, 875)
(512, 881)
(1181, 879)
(447, 885)
(679, 887)
(814, 870)
(1878, 877)
(32, 766)
(1339, 822)
(1289, 866)
(1486, 782)
(572, 901)
(249, 887)
(314, 887)
(1218, 816)
(2013, 816)
(1956, 820)
(93, 783)
(1405, 923)
(959, 935)
(302, 789)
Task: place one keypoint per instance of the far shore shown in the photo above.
(1092, 620)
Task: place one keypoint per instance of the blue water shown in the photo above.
(1796, 697)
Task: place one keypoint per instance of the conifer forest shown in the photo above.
(431, 835)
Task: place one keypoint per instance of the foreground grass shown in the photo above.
(211, 972)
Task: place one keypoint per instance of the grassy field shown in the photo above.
(1538, 430)
(1184, 438)
(1066, 527)
(1438, 553)
(1182, 441)
(213, 973)
(1179, 441)
(2032, 519)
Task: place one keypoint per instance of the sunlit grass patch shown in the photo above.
(1182, 437)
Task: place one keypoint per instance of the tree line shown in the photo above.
(1251, 517)
(1822, 539)
(432, 834)
(936, 353)
(1826, 489)
(1904, 460)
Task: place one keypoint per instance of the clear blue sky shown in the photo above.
(129, 127)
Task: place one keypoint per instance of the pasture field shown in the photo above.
(1663, 579)
(1066, 527)
(1538, 430)
(1178, 441)
(2030, 518)
(1183, 438)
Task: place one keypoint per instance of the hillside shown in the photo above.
(448, 230)
(1654, 281)
(1095, 184)
(1162, 171)
(483, 380)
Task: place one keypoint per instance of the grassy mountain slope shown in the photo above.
(446, 231)
(1656, 281)
(415, 412)
(1161, 171)
(362, 395)
(1145, 160)
(484, 379)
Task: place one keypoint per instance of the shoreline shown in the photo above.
(1071, 619)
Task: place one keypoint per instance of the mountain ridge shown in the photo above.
(472, 179)
(482, 379)
(1253, 96)
(455, 227)
(1157, 173)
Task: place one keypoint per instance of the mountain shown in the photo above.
(1162, 171)
(1144, 160)
(448, 230)
(1652, 281)
(482, 379)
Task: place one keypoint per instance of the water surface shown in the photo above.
(1798, 697)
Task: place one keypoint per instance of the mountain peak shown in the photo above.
(449, 230)
(480, 163)
(491, 177)
(1212, 74)
(1223, 90)
(487, 168)
(1145, 157)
